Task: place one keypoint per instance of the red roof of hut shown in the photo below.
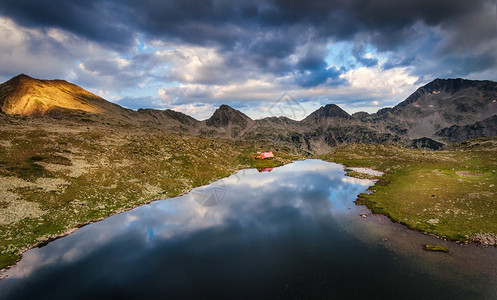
(266, 154)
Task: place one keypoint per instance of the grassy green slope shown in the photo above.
(451, 193)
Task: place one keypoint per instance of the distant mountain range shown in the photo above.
(443, 111)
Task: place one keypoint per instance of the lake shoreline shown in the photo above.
(352, 171)
(424, 190)
(59, 178)
(361, 201)
(373, 174)
(52, 238)
(310, 212)
(69, 231)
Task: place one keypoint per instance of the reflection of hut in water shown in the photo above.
(264, 155)
(264, 169)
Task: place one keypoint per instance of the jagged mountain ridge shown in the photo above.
(442, 111)
(446, 102)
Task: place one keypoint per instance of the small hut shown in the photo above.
(264, 155)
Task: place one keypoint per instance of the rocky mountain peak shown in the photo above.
(329, 111)
(22, 76)
(225, 115)
(439, 88)
(15, 82)
(334, 111)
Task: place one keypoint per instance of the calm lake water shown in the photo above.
(293, 232)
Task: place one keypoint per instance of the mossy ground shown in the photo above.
(66, 175)
(450, 193)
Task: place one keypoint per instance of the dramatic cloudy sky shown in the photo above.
(193, 55)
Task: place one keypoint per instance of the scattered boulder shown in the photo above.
(484, 238)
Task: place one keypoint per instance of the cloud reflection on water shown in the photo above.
(252, 199)
(268, 217)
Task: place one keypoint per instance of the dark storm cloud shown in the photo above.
(196, 22)
(229, 22)
(237, 27)
(343, 19)
(101, 21)
(267, 36)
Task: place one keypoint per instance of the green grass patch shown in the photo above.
(430, 191)
(7, 259)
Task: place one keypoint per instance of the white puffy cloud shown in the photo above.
(367, 89)
(378, 83)
(29, 51)
(55, 53)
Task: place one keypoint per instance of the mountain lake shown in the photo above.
(289, 232)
